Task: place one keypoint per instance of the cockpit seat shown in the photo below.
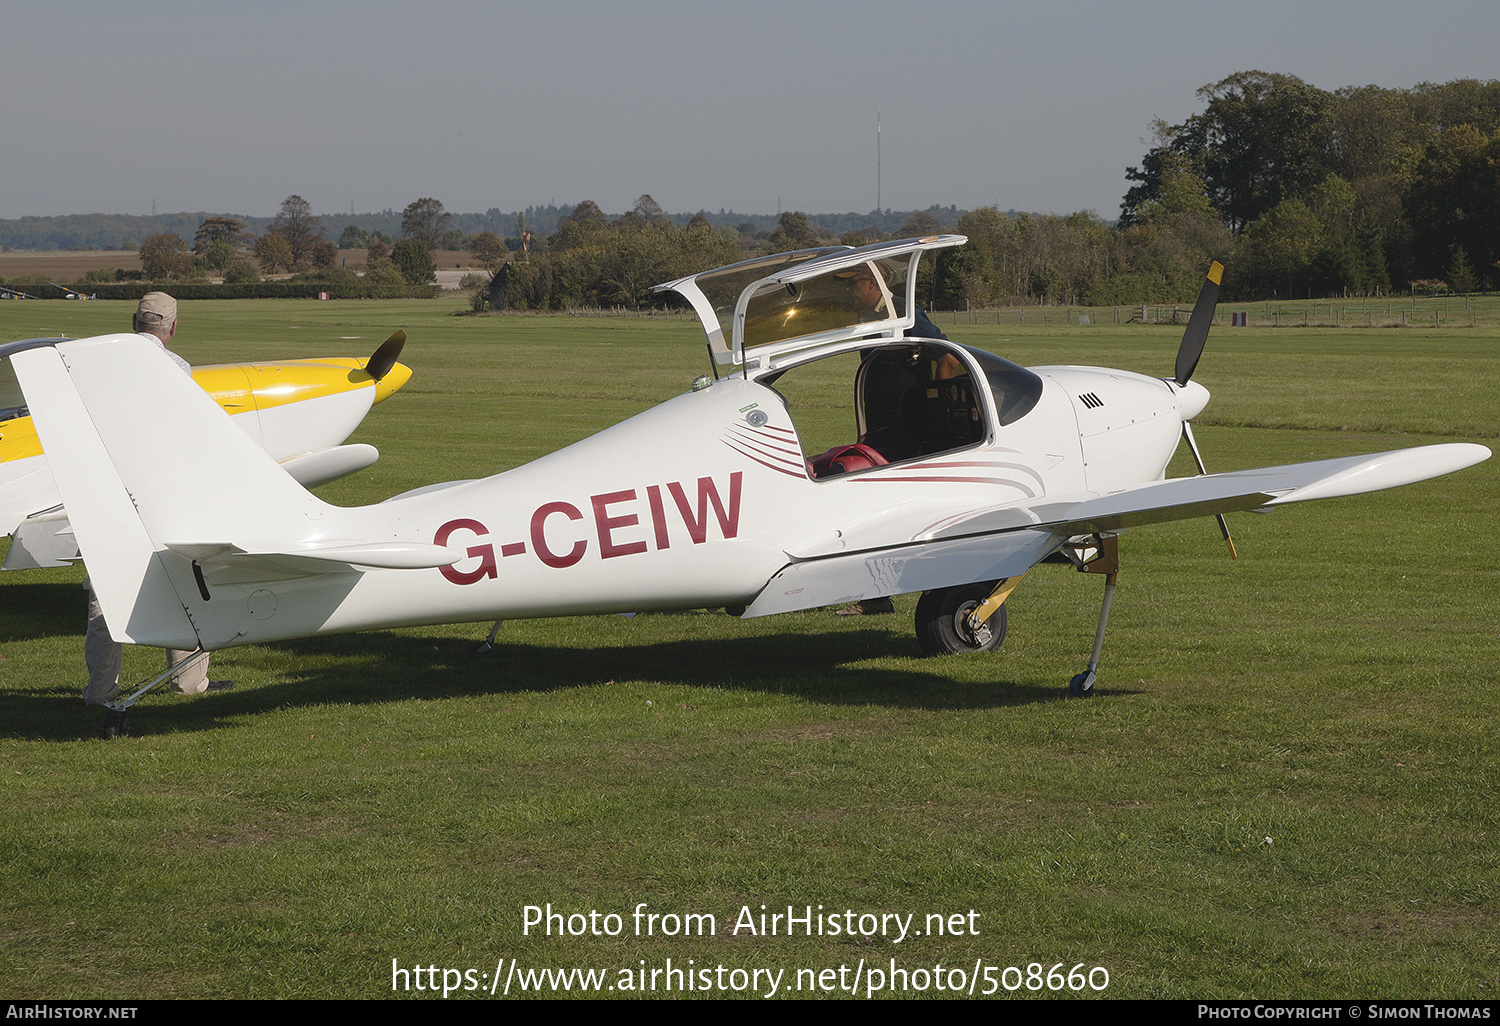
(842, 459)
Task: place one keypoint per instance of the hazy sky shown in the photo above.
(755, 106)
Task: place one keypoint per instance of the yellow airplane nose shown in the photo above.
(396, 377)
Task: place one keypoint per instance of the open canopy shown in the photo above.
(787, 302)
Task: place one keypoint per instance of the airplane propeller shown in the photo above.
(1198, 325)
(384, 358)
(1188, 354)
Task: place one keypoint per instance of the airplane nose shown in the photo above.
(394, 378)
(1191, 398)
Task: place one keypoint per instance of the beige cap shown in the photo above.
(157, 309)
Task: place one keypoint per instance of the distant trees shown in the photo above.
(221, 229)
(1453, 205)
(1355, 190)
(299, 227)
(413, 259)
(240, 270)
(426, 221)
(584, 225)
(324, 253)
(218, 239)
(793, 232)
(354, 237)
(489, 250)
(218, 254)
(274, 252)
(592, 261)
(645, 211)
(165, 256)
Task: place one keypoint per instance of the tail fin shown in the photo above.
(138, 596)
(159, 485)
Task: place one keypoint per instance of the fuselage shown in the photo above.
(698, 502)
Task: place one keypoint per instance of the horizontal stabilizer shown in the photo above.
(324, 557)
(42, 541)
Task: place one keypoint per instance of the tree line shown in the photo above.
(1362, 190)
(1299, 191)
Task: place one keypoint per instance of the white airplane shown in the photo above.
(961, 471)
(299, 411)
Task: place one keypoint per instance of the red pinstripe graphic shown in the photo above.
(768, 447)
(780, 470)
(940, 464)
(795, 461)
(949, 464)
(1023, 489)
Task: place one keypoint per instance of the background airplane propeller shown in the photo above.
(1187, 361)
(384, 358)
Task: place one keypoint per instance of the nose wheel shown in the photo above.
(1098, 556)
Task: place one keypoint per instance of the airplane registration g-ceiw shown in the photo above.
(962, 471)
(298, 411)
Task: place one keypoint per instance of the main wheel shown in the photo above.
(943, 621)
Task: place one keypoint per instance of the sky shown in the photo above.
(754, 107)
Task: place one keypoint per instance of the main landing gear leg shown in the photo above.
(481, 647)
(114, 712)
(1107, 562)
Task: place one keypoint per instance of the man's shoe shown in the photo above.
(219, 685)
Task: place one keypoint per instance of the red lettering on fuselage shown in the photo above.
(611, 526)
(539, 539)
(607, 525)
(729, 523)
(486, 553)
(658, 516)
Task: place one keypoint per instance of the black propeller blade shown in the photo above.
(389, 352)
(1198, 324)
(1187, 361)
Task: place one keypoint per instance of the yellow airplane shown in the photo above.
(299, 411)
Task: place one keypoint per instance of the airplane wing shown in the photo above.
(1233, 491)
(851, 577)
(1008, 540)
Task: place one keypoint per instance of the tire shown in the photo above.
(942, 621)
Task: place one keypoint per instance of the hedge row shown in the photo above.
(243, 290)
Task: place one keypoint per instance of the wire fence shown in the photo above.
(1481, 310)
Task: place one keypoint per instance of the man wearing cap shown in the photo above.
(156, 319)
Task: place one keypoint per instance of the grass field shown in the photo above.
(1286, 787)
